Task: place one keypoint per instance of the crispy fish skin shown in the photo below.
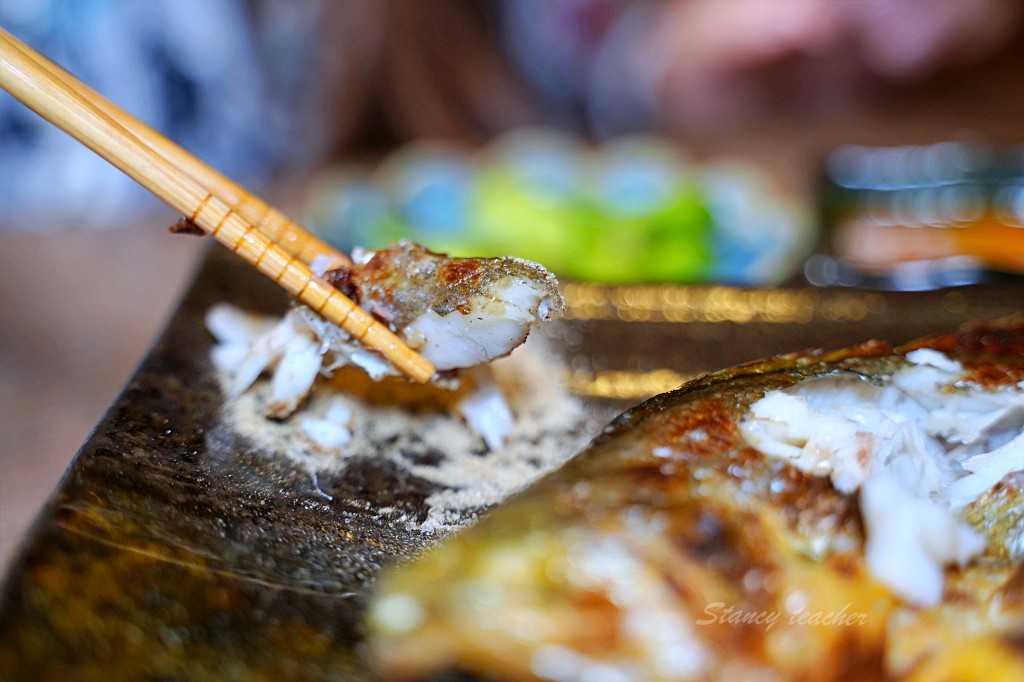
(671, 550)
(401, 281)
(457, 312)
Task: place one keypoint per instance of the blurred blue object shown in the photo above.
(215, 75)
(431, 185)
(547, 165)
(760, 236)
(348, 208)
(640, 175)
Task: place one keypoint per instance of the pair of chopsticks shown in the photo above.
(261, 235)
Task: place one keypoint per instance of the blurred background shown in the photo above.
(689, 141)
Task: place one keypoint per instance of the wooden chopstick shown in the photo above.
(271, 222)
(70, 110)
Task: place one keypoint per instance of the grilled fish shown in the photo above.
(456, 312)
(706, 536)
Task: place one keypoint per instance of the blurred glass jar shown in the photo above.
(921, 217)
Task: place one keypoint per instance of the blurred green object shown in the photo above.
(506, 219)
(633, 210)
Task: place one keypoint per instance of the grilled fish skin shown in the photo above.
(457, 312)
(672, 550)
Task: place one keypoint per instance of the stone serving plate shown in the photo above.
(174, 549)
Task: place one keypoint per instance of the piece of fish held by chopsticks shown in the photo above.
(856, 515)
(456, 312)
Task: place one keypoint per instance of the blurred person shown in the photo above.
(693, 67)
(268, 88)
(709, 61)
